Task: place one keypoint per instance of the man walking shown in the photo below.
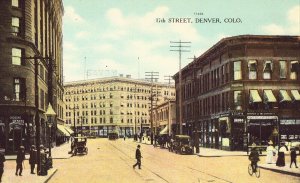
(32, 158)
(20, 159)
(2, 159)
(293, 158)
(138, 157)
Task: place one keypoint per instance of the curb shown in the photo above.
(281, 171)
(50, 176)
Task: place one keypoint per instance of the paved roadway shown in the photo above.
(111, 161)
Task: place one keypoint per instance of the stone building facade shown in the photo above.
(30, 45)
(164, 118)
(99, 106)
(243, 90)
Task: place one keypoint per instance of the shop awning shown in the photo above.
(284, 96)
(254, 96)
(164, 131)
(61, 129)
(269, 96)
(69, 130)
(296, 95)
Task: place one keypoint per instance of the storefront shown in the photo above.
(16, 130)
(289, 130)
(260, 128)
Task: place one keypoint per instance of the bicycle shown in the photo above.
(250, 171)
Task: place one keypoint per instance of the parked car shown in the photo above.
(182, 144)
(79, 145)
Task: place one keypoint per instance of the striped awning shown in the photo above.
(284, 96)
(296, 95)
(254, 96)
(69, 130)
(269, 96)
(164, 131)
(61, 129)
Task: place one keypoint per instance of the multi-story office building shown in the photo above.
(30, 45)
(98, 106)
(243, 90)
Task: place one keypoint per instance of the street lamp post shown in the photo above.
(50, 115)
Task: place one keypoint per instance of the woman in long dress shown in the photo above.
(270, 153)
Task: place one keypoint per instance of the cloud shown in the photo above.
(292, 27)
(273, 29)
(82, 34)
(114, 34)
(71, 15)
(116, 17)
(104, 48)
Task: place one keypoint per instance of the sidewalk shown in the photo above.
(212, 153)
(59, 152)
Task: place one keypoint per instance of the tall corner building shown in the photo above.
(99, 106)
(241, 91)
(31, 66)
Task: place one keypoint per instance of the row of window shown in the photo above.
(268, 69)
(93, 97)
(103, 105)
(256, 69)
(102, 112)
(104, 89)
(269, 100)
(102, 120)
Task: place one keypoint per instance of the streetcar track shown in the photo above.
(209, 174)
(144, 167)
(131, 148)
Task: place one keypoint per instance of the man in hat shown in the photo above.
(2, 160)
(32, 158)
(138, 157)
(254, 158)
(19, 160)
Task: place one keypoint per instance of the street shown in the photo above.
(111, 161)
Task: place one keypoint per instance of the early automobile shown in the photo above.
(79, 145)
(182, 144)
(113, 135)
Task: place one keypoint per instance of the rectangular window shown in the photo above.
(294, 70)
(237, 70)
(238, 100)
(282, 65)
(15, 3)
(268, 67)
(16, 56)
(15, 26)
(19, 89)
(252, 66)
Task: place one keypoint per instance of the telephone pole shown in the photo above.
(180, 47)
(151, 76)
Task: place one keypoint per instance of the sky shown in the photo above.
(103, 38)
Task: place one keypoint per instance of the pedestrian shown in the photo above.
(124, 137)
(2, 160)
(19, 160)
(138, 157)
(281, 157)
(293, 157)
(270, 153)
(43, 160)
(32, 158)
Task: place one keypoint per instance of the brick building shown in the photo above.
(30, 45)
(244, 89)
